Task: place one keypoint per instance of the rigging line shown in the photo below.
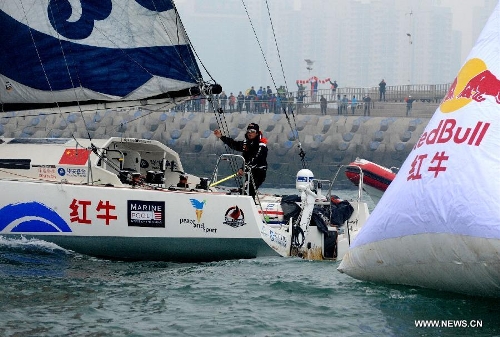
(260, 46)
(38, 53)
(224, 127)
(188, 41)
(282, 70)
(276, 43)
(281, 65)
(178, 23)
(66, 64)
(292, 127)
(43, 67)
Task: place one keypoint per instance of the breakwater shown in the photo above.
(328, 141)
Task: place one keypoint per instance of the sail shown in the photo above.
(438, 223)
(107, 50)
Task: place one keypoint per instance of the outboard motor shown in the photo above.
(305, 184)
(304, 180)
(323, 237)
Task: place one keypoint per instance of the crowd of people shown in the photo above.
(264, 100)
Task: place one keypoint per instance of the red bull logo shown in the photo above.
(474, 82)
(449, 130)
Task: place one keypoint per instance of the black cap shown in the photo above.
(253, 126)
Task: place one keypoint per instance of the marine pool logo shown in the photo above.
(146, 213)
(474, 82)
(31, 217)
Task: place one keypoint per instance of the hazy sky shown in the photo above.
(218, 53)
(462, 20)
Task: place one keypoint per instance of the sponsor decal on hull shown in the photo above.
(146, 213)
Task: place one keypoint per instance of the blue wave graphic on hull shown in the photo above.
(110, 71)
(53, 221)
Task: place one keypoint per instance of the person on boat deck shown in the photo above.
(183, 182)
(254, 151)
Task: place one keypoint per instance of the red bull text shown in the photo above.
(447, 130)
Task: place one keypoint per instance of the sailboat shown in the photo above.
(437, 225)
(120, 197)
(109, 197)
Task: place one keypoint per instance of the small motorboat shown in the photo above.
(376, 178)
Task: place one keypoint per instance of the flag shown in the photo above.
(74, 157)
(157, 216)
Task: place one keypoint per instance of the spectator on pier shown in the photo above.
(323, 104)
(300, 100)
(240, 100)
(367, 102)
(223, 100)
(381, 89)
(354, 104)
(345, 102)
(272, 103)
(409, 104)
(252, 91)
(334, 89)
(248, 100)
(232, 102)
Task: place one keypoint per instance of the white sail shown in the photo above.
(438, 224)
(68, 51)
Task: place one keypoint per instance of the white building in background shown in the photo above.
(356, 42)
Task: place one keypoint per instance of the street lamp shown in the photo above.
(309, 65)
(410, 48)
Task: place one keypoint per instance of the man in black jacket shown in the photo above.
(254, 151)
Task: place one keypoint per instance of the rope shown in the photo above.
(224, 127)
(276, 43)
(293, 127)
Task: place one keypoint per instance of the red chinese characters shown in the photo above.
(106, 208)
(79, 211)
(447, 131)
(437, 165)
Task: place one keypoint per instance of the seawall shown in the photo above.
(328, 141)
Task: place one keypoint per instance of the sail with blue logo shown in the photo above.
(438, 224)
(60, 51)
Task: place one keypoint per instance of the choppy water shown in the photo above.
(47, 291)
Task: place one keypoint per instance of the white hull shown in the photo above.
(180, 236)
(88, 203)
(121, 201)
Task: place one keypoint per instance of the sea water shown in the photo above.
(49, 291)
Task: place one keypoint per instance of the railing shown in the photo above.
(398, 93)
(425, 93)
